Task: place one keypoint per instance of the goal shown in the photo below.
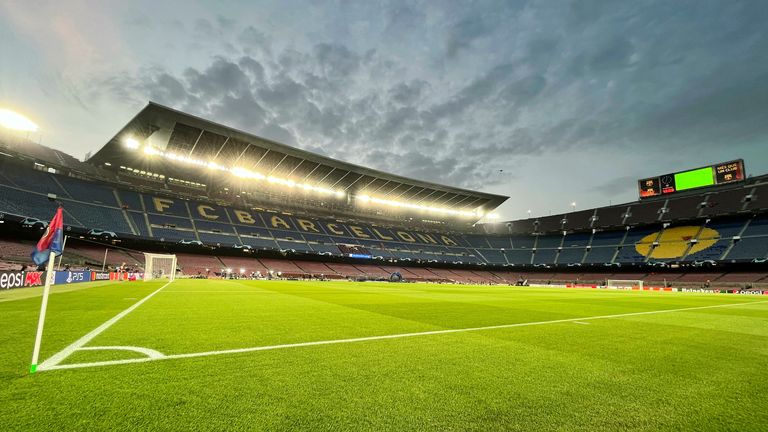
(159, 266)
(624, 283)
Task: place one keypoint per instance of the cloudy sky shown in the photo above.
(547, 101)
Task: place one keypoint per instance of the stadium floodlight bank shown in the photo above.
(624, 283)
(159, 266)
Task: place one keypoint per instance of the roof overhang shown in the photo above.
(193, 137)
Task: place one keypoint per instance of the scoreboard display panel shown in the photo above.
(727, 172)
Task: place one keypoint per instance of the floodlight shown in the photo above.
(425, 208)
(150, 151)
(13, 120)
(131, 143)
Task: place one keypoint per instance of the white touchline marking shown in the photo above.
(146, 351)
(373, 338)
(66, 352)
(579, 322)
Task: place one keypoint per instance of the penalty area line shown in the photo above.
(60, 356)
(384, 337)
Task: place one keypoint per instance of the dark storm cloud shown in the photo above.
(503, 81)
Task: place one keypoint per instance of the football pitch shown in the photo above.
(288, 355)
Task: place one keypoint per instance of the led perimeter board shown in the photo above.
(722, 173)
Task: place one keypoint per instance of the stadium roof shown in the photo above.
(183, 134)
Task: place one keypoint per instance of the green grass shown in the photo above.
(704, 369)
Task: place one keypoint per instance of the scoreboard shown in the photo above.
(722, 173)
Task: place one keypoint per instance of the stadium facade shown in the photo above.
(172, 181)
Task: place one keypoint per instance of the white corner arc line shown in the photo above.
(66, 352)
(383, 337)
(150, 353)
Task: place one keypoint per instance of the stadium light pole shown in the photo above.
(573, 206)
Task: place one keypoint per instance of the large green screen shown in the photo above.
(694, 179)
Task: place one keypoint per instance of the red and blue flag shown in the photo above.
(51, 241)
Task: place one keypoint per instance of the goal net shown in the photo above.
(159, 266)
(624, 283)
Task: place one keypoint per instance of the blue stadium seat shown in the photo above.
(544, 256)
(493, 256)
(259, 243)
(88, 192)
(22, 203)
(749, 248)
(518, 257)
(98, 217)
(607, 238)
(713, 252)
(224, 228)
(33, 180)
(599, 255)
(757, 227)
(476, 241)
(218, 239)
(628, 254)
(502, 242)
(576, 240)
(169, 221)
(172, 235)
(333, 249)
(570, 255)
(131, 199)
(294, 245)
(523, 242)
(139, 222)
(549, 241)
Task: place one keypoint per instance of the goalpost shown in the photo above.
(159, 266)
(624, 283)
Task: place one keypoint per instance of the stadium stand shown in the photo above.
(287, 230)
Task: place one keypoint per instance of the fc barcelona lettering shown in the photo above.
(282, 223)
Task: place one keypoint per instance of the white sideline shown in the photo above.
(393, 336)
(66, 352)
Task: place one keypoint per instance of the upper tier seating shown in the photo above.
(610, 216)
(591, 236)
(25, 204)
(723, 203)
(549, 224)
(580, 220)
(760, 198)
(683, 208)
(644, 212)
(88, 192)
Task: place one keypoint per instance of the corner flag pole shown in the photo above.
(43, 307)
(61, 257)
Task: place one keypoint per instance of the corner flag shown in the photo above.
(51, 244)
(51, 241)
